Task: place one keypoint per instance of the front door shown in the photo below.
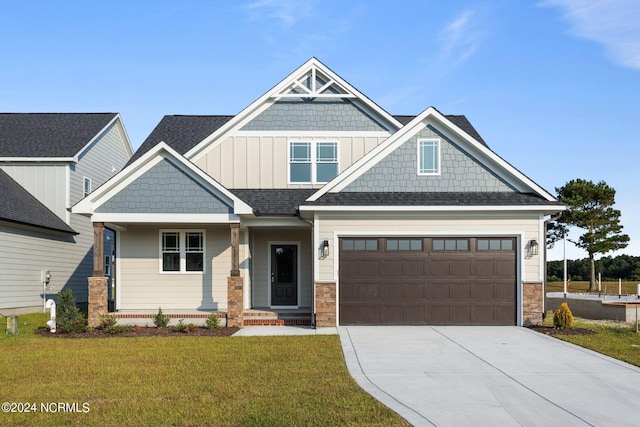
(284, 275)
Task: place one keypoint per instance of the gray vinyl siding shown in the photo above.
(24, 252)
(47, 182)
(316, 115)
(260, 249)
(398, 172)
(165, 188)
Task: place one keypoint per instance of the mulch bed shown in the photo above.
(142, 332)
(550, 330)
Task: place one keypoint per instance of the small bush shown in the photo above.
(107, 321)
(159, 319)
(184, 327)
(213, 321)
(562, 317)
(68, 316)
(120, 329)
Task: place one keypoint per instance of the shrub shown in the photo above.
(213, 321)
(562, 317)
(68, 316)
(107, 321)
(184, 327)
(159, 319)
(120, 329)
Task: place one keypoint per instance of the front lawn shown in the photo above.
(182, 380)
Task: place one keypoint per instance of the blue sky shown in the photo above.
(551, 85)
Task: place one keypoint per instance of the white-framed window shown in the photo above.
(107, 265)
(86, 186)
(312, 162)
(428, 157)
(182, 251)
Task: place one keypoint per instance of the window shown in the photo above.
(359, 245)
(404, 245)
(450, 244)
(182, 251)
(428, 157)
(107, 265)
(495, 244)
(313, 162)
(86, 186)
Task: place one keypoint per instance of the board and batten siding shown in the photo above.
(47, 182)
(246, 161)
(260, 252)
(143, 287)
(431, 224)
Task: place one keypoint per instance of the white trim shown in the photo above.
(182, 241)
(298, 266)
(438, 155)
(265, 100)
(309, 134)
(84, 189)
(419, 208)
(518, 235)
(38, 159)
(118, 269)
(165, 217)
(67, 194)
(271, 222)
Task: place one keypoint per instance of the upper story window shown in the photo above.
(428, 157)
(313, 162)
(86, 186)
(182, 251)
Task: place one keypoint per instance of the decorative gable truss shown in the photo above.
(162, 186)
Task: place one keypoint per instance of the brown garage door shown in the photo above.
(427, 281)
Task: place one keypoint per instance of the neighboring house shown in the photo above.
(48, 162)
(314, 198)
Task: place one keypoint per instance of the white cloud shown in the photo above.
(460, 38)
(613, 23)
(287, 12)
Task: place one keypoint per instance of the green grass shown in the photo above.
(581, 287)
(620, 342)
(222, 381)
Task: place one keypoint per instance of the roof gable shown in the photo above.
(447, 130)
(135, 190)
(49, 135)
(311, 81)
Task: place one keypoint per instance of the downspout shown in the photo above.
(313, 315)
(553, 218)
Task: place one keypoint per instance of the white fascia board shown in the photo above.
(262, 103)
(173, 218)
(452, 208)
(271, 222)
(310, 133)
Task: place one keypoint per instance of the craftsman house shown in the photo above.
(315, 201)
(48, 162)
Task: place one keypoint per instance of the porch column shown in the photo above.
(235, 283)
(97, 283)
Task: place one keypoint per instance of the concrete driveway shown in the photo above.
(491, 376)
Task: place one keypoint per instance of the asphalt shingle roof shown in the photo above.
(274, 201)
(18, 205)
(433, 199)
(48, 134)
(461, 121)
(181, 133)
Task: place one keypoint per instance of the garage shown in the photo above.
(427, 281)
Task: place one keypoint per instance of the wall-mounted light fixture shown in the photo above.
(325, 248)
(532, 247)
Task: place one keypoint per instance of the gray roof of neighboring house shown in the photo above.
(182, 133)
(48, 134)
(19, 206)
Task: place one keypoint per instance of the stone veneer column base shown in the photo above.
(98, 304)
(235, 301)
(532, 303)
(326, 305)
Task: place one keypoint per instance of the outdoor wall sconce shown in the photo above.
(532, 248)
(325, 248)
